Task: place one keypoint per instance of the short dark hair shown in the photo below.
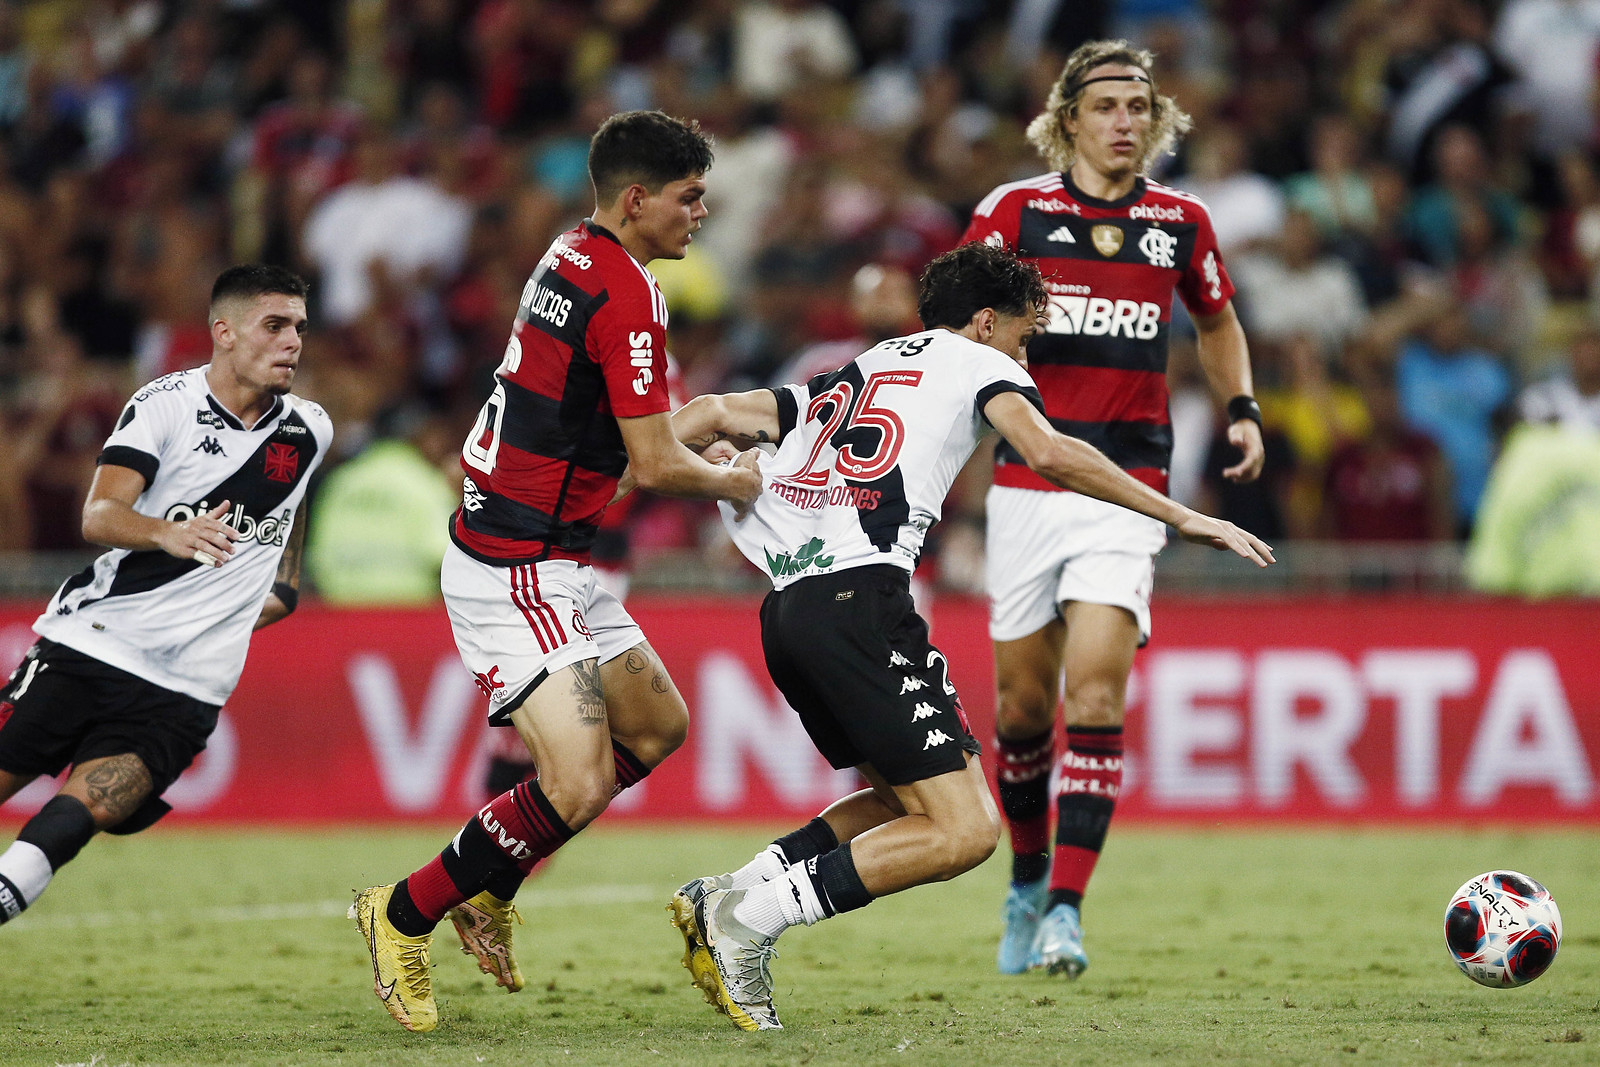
(965, 280)
(251, 280)
(648, 147)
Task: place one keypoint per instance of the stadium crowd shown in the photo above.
(1407, 194)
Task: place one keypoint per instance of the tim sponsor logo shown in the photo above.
(1156, 212)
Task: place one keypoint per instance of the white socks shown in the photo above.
(772, 907)
(24, 872)
(768, 864)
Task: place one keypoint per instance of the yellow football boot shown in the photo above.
(399, 963)
(484, 923)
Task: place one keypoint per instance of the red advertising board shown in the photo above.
(1296, 708)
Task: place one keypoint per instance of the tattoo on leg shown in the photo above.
(638, 662)
(591, 698)
(118, 786)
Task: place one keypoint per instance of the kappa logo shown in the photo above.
(1157, 245)
(923, 711)
(207, 417)
(936, 738)
(1062, 235)
(910, 684)
(487, 682)
(897, 660)
(210, 446)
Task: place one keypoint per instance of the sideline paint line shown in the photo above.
(321, 909)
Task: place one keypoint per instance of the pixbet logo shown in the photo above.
(268, 531)
(642, 355)
(1156, 212)
(1053, 205)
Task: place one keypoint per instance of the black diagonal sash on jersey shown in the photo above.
(882, 523)
(260, 484)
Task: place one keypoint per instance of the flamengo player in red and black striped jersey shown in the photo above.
(1069, 577)
(579, 398)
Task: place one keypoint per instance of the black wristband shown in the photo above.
(1244, 407)
(286, 593)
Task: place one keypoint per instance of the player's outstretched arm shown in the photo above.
(109, 520)
(658, 461)
(285, 595)
(1073, 464)
(1225, 358)
(742, 419)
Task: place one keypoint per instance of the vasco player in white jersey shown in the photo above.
(865, 457)
(580, 397)
(1069, 577)
(200, 495)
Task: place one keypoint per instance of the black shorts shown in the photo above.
(62, 707)
(851, 655)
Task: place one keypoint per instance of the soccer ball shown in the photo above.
(1502, 929)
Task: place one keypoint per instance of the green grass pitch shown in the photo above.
(1300, 946)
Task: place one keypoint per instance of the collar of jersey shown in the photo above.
(1084, 198)
(233, 420)
(600, 231)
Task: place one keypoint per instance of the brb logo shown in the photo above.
(268, 531)
(642, 355)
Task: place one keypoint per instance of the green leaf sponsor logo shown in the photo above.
(804, 558)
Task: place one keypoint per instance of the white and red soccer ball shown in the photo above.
(1502, 929)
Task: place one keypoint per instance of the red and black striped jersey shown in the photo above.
(589, 346)
(1110, 267)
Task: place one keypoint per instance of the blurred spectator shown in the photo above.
(1441, 73)
(408, 227)
(1463, 178)
(1336, 192)
(524, 51)
(1552, 45)
(1316, 414)
(1293, 287)
(380, 521)
(780, 45)
(302, 148)
(1455, 393)
(1262, 506)
(883, 302)
(1501, 291)
(1391, 484)
(1246, 207)
(1572, 398)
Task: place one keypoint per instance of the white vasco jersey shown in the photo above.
(867, 454)
(173, 622)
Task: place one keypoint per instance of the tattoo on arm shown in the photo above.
(118, 786)
(591, 698)
(289, 565)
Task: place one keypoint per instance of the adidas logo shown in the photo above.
(936, 737)
(1062, 235)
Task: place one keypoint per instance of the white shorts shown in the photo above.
(516, 626)
(1046, 549)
